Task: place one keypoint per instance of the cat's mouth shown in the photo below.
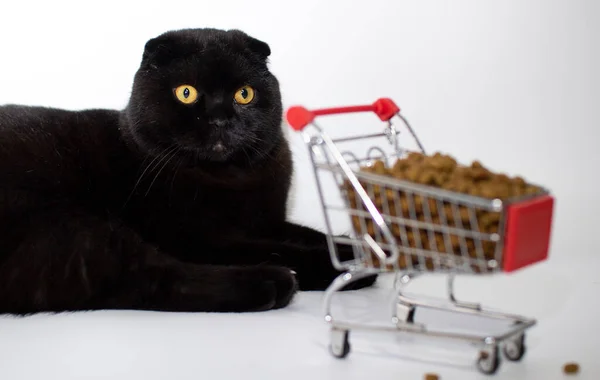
(219, 147)
(218, 151)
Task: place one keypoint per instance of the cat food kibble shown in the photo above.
(431, 376)
(442, 172)
(571, 368)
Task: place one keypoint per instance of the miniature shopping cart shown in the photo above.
(410, 229)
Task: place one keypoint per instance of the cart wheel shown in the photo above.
(489, 360)
(514, 349)
(340, 345)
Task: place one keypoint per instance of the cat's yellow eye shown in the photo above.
(186, 94)
(244, 95)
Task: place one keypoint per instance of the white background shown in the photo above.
(513, 83)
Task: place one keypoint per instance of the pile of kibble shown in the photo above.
(442, 172)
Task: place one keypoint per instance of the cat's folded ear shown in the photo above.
(259, 47)
(256, 46)
(158, 50)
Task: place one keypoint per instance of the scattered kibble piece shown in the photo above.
(571, 368)
(431, 376)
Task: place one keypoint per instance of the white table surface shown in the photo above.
(561, 293)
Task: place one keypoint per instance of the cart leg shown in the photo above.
(339, 345)
(403, 312)
(340, 282)
(459, 304)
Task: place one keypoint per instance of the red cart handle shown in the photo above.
(299, 117)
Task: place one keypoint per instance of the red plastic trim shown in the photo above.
(527, 234)
(299, 117)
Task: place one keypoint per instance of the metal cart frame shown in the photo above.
(523, 237)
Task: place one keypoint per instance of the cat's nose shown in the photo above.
(218, 122)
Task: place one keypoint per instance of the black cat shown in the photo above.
(177, 203)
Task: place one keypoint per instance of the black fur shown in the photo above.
(138, 210)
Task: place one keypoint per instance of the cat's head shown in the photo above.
(205, 95)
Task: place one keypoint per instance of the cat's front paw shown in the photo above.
(321, 281)
(265, 287)
(346, 253)
(321, 272)
(364, 282)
